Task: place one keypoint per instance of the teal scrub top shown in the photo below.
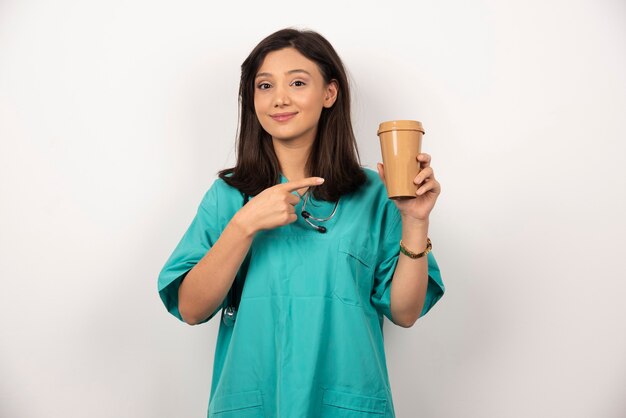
(308, 337)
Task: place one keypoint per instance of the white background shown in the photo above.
(116, 115)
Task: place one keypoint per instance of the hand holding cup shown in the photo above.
(428, 190)
(408, 177)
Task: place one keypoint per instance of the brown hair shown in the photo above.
(334, 154)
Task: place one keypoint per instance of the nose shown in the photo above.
(281, 97)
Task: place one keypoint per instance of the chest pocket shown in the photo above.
(354, 273)
(238, 405)
(347, 405)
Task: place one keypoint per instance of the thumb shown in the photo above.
(381, 171)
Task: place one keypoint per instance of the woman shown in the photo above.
(314, 238)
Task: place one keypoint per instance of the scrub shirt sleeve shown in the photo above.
(387, 259)
(200, 236)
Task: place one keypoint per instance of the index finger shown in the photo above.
(424, 159)
(299, 184)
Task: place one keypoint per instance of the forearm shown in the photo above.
(410, 279)
(208, 282)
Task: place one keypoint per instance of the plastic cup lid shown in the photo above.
(400, 125)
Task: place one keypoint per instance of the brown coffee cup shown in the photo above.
(400, 143)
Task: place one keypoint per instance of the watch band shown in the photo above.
(407, 252)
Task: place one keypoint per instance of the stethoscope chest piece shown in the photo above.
(229, 315)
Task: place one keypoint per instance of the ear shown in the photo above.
(331, 93)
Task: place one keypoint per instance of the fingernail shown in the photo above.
(320, 180)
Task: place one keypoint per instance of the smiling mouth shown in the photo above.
(282, 117)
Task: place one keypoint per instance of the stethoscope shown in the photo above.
(229, 314)
(306, 215)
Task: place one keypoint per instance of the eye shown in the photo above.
(264, 86)
(299, 83)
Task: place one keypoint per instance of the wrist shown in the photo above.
(414, 233)
(242, 226)
(415, 255)
(414, 223)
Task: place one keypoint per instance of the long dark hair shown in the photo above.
(334, 154)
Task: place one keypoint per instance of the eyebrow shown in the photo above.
(297, 70)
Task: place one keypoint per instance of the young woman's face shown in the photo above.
(289, 94)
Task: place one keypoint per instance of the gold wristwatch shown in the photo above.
(405, 251)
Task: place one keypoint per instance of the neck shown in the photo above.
(292, 156)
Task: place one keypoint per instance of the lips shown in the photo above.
(282, 117)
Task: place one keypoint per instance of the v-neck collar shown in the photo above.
(317, 203)
(317, 208)
(284, 179)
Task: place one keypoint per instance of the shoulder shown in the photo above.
(373, 189)
(222, 200)
(375, 192)
(373, 179)
(219, 188)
